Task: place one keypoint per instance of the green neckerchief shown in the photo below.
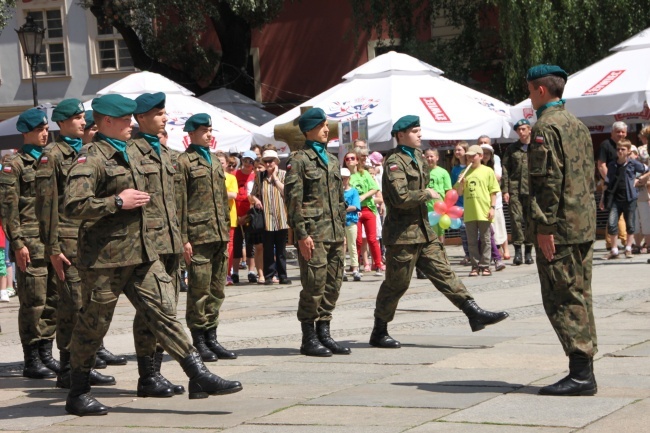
(541, 109)
(203, 151)
(75, 143)
(409, 151)
(153, 140)
(319, 148)
(119, 145)
(32, 150)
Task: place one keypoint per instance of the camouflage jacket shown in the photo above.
(561, 170)
(515, 170)
(162, 222)
(403, 187)
(178, 193)
(17, 200)
(313, 193)
(205, 215)
(108, 237)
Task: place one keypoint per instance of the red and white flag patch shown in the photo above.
(44, 160)
(393, 167)
(7, 169)
(539, 139)
(288, 167)
(81, 160)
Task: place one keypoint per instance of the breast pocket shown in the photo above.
(151, 174)
(117, 179)
(314, 188)
(198, 181)
(28, 182)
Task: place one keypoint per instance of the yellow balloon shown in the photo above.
(444, 222)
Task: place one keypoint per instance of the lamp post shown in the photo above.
(31, 40)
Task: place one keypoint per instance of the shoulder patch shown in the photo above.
(288, 167)
(81, 160)
(6, 169)
(44, 160)
(539, 139)
(393, 167)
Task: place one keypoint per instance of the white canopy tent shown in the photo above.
(240, 105)
(393, 85)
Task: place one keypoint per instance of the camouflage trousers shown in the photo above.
(70, 301)
(206, 284)
(566, 294)
(518, 207)
(150, 291)
(143, 338)
(321, 279)
(37, 293)
(431, 259)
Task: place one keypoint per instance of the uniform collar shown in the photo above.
(144, 147)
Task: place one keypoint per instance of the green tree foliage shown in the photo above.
(6, 12)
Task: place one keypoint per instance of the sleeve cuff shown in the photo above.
(301, 233)
(546, 229)
(17, 244)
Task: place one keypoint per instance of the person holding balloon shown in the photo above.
(440, 182)
(460, 163)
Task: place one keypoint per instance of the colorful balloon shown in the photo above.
(440, 207)
(451, 197)
(456, 223)
(433, 218)
(455, 212)
(444, 222)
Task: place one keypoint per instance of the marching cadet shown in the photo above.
(36, 292)
(410, 240)
(59, 234)
(313, 192)
(115, 256)
(205, 229)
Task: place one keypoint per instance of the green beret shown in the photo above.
(30, 120)
(90, 120)
(200, 119)
(149, 101)
(522, 122)
(311, 119)
(540, 71)
(66, 109)
(405, 123)
(114, 105)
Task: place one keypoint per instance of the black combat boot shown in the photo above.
(215, 347)
(478, 317)
(149, 385)
(34, 367)
(109, 358)
(380, 337)
(580, 381)
(528, 258)
(45, 353)
(100, 364)
(182, 284)
(419, 274)
(202, 382)
(198, 341)
(518, 260)
(310, 344)
(157, 363)
(323, 333)
(63, 377)
(80, 401)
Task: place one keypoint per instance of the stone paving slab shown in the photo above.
(450, 427)
(642, 349)
(257, 428)
(490, 377)
(634, 418)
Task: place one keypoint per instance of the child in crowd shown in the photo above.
(351, 197)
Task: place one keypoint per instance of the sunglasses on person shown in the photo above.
(232, 165)
(351, 158)
(268, 161)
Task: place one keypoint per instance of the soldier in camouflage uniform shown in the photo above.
(410, 240)
(205, 231)
(106, 192)
(90, 129)
(59, 234)
(313, 193)
(36, 291)
(563, 219)
(515, 182)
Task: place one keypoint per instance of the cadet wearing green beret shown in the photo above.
(562, 219)
(408, 236)
(313, 193)
(90, 129)
(37, 292)
(107, 192)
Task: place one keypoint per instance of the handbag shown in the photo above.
(254, 223)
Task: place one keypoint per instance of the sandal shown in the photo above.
(474, 272)
(486, 272)
(466, 261)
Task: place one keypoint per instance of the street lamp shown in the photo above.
(31, 40)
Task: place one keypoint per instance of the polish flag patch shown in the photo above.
(393, 167)
(44, 160)
(288, 167)
(7, 169)
(81, 160)
(539, 139)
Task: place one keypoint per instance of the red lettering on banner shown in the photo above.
(435, 109)
(606, 81)
(528, 113)
(641, 115)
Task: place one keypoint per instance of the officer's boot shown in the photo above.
(528, 257)
(518, 260)
(63, 378)
(80, 401)
(157, 363)
(323, 334)
(310, 344)
(109, 358)
(149, 385)
(215, 347)
(45, 353)
(580, 380)
(34, 367)
(202, 382)
(478, 317)
(198, 341)
(380, 337)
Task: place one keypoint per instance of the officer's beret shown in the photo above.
(30, 120)
(311, 119)
(404, 123)
(149, 101)
(114, 105)
(90, 119)
(66, 109)
(522, 122)
(540, 71)
(200, 119)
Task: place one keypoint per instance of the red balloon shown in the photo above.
(451, 197)
(455, 212)
(440, 207)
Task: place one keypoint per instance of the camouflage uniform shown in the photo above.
(116, 256)
(410, 241)
(178, 195)
(36, 291)
(515, 182)
(562, 204)
(313, 193)
(205, 224)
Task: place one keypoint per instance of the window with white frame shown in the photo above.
(111, 51)
(53, 52)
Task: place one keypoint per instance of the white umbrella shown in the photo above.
(240, 105)
(11, 138)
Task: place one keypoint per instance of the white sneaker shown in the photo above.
(4, 296)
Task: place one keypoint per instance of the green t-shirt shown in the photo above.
(364, 183)
(480, 183)
(440, 181)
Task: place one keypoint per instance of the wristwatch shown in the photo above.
(118, 202)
